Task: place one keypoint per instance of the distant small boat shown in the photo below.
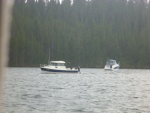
(59, 67)
(111, 65)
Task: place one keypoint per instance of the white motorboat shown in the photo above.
(59, 67)
(111, 65)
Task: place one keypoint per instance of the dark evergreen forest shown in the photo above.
(84, 33)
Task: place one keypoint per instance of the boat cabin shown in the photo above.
(57, 63)
(110, 62)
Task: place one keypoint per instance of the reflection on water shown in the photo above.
(26, 90)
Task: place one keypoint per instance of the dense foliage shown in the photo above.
(85, 33)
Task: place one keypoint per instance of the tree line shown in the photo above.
(81, 32)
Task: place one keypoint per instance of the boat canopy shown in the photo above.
(58, 62)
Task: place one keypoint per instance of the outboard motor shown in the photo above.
(78, 69)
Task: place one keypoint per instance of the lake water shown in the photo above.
(27, 90)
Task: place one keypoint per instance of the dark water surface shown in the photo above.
(26, 90)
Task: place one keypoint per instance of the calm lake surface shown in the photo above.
(27, 90)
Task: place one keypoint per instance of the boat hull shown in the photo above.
(58, 70)
(115, 67)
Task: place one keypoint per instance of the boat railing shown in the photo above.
(42, 65)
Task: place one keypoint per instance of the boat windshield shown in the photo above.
(111, 62)
(57, 64)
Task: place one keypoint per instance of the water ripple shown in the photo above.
(26, 90)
